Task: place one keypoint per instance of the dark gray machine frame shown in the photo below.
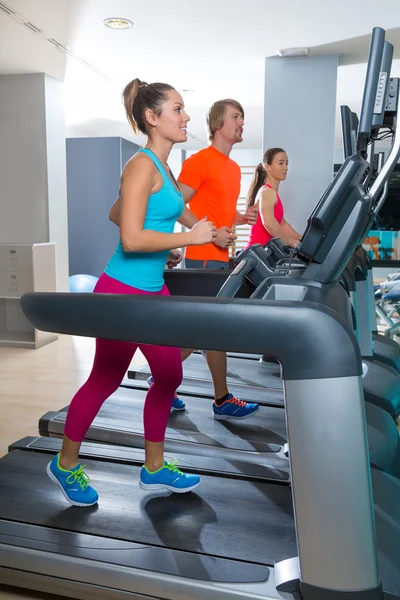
(203, 438)
(384, 349)
(335, 381)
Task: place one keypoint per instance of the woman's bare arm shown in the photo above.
(137, 184)
(267, 205)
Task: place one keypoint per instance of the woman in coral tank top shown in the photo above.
(264, 188)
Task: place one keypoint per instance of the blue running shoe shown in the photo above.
(169, 477)
(74, 484)
(233, 408)
(177, 403)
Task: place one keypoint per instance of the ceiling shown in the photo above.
(215, 49)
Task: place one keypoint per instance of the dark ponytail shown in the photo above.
(259, 179)
(260, 175)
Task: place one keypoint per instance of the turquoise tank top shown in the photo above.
(145, 270)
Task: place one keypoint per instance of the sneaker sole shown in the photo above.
(54, 478)
(161, 486)
(233, 418)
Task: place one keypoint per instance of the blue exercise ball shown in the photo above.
(82, 283)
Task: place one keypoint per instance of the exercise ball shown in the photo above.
(82, 283)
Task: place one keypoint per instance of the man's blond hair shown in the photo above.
(216, 115)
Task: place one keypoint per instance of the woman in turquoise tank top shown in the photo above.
(270, 221)
(151, 203)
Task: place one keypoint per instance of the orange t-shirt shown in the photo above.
(216, 179)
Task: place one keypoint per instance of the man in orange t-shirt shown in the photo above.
(210, 184)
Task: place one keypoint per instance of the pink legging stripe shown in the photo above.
(111, 361)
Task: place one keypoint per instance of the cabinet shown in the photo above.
(24, 268)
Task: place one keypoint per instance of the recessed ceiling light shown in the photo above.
(187, 91)
(118, 23)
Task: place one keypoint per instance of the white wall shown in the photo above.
(33, 169)
(23, 165)
(246, 158)
(175, 161)
(57, 178)
(243, 157)
(299, 116)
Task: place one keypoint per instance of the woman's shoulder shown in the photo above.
(268, 194)
(140, 161)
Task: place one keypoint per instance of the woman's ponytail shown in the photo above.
(139, 96)
(259, 179)
(130, 94)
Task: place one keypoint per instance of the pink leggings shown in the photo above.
(111, 361)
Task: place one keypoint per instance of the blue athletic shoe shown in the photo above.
(169, 477)
(233, 408)
(74, 484)
(177, 403)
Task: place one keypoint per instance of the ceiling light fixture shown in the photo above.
(118, 23)
(292, 52)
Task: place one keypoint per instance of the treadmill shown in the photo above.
(187, 282)
(261, 441)
(241, 372)
(381, 358)
(252, 381)
(199, 546)
(384, 349)
(169, 561)
(381, 381)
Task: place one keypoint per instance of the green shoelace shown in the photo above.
(80, 476)
(172, 465)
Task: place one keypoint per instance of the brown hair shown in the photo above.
(260, 175)
(140, 96)
(216, 115)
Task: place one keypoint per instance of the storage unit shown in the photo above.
(24, 268)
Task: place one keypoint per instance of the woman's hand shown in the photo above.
(174, 258)
(204, 232)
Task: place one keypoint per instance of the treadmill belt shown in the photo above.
(256, 441)
(203, 388)
(243, 371)
(240, 371)
(201, 465)
(250, 521)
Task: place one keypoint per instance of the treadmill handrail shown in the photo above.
(380, 201)
(265, 326)
(389, 165)
(235, 281)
